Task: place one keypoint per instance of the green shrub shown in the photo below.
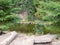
(48, 11)
(7, 18)
(25, 28)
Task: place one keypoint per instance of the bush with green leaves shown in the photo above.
(49, 11)
(7, 17)
(27, 6)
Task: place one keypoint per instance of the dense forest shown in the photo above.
(45, 14)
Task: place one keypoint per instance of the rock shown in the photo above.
(27, 42)
(44, 38)
(1, 32)
(3, 37)
(9, 39)
(42, 44)
(56, 43)
(22, 41)
(12, 38)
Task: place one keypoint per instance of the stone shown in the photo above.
(22, 41)
(4, 36)
(56, 43)
(44, 38)
(1, 32)
(9, 39)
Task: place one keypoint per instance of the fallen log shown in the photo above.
(9, 39)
